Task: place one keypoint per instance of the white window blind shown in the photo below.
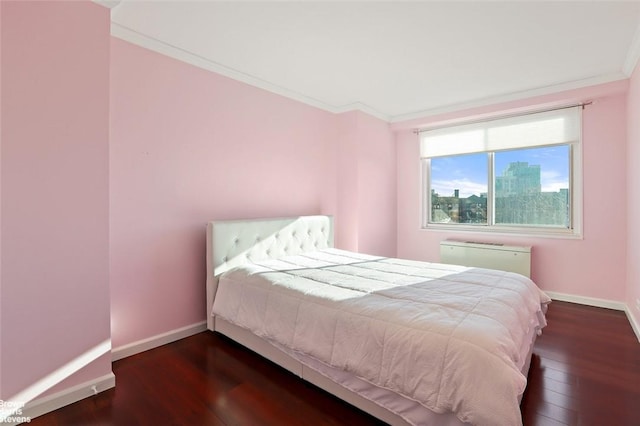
(561, 126)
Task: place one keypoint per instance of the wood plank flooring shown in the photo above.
(585, 371)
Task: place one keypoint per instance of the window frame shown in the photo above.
(574, 230)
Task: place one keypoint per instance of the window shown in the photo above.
(516, 174)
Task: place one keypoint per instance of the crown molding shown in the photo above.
(510, 97)
(359, 106)
(175, 52)
(109, 4)
(633, 54)
(183, 55)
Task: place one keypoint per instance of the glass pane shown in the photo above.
(532, 187)
(459, 189)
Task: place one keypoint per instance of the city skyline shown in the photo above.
(519, 197)
(469, 173)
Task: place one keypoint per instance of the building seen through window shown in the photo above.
(519, 199)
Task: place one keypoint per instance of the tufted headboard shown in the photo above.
(231, 243)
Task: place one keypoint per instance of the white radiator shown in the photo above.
(487, 255)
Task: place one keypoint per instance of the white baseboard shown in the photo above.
(634, 324)
(157, 340)
(40, 406)
(589, 301)
(44, 405)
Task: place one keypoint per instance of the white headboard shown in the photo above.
(231, 243)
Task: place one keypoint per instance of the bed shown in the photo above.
(408, 342)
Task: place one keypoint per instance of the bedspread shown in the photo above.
(446, 336)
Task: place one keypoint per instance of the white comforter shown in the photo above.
(448, 337)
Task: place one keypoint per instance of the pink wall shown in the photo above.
(189, 146)
(377, 212)
(366, 185)
(55, 212)
(589, 267)
(633, 196)
(347, 194)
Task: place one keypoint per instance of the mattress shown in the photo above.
(450, 338)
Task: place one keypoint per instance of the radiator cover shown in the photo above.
(487, 255)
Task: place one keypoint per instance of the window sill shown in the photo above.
(507, 231)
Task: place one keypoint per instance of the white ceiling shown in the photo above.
(396, 60)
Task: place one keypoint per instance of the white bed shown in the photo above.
(258, 271)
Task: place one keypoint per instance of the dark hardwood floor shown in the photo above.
(585, 371)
